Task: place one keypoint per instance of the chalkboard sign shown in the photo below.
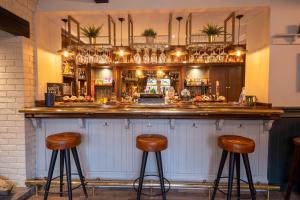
(55, 88)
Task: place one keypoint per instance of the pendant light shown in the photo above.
(65, 51)
(178, 51)
(238, 50)
(121, 51)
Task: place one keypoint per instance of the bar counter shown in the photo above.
(154, 111)
(109, 132)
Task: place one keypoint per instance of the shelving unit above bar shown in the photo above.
(166, 64)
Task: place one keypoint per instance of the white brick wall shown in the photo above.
(17, 82)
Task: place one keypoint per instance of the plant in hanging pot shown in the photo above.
(91, 32)
(212, 31)
(150, 34)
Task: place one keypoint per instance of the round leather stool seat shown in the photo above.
(151, 142)
(61, 141)
(296, 141)
(236, 144)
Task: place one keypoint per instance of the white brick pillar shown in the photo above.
(17, 88)
(17, 144)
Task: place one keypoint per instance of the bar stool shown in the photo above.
(151, 143)
(236, 146)
(64, 142)
(295, 163)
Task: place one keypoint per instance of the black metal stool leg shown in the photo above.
(231, 174)
(142, 174)
(221, 166)
(61, 171)
(161, 174)
(50, 173)
(238, 176)
(291, 181)
(68, 169)
(77, 162)
(249, 176)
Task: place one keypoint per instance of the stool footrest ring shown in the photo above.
(64, 192)
(156, 194)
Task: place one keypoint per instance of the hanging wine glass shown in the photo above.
(78, 57)
(137, 57)
(86, 57)
(153, 57)
(146, 58)
(162, 56)
(223, 55)
(196, 55)
(213, 56)
(205, 56)
(95, 56)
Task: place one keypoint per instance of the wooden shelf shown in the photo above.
(103, 85)
(197, 86)
(167, 64)
(286, 39)
(68, 76)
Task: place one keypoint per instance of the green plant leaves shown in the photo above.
(91, 31)
(149, 33)
(212, 29)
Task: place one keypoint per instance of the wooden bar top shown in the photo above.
(208, 111)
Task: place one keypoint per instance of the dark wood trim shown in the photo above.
(169, 64)
(13, 24)
(128, 113)
(101, 1)
(290, 112)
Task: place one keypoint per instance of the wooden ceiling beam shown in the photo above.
(101, 1)
(13, 24)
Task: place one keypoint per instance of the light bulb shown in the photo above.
(121, 53)
(66, 53)
(238, 53)
(178, 53)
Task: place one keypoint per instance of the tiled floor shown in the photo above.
(128, 194)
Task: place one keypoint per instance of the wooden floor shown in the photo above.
(129, 194)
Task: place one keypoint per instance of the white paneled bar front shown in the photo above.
(108, 147)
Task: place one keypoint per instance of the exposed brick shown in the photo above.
(17, 85)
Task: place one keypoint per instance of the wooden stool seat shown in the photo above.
(236, 144)
(61, 141)
(296, 141)
(151, 142)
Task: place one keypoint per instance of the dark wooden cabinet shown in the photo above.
(231, 79)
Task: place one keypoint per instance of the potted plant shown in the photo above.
(92, 32)
(212, 30)
(150, 34)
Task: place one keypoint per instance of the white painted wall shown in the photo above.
(257, 58)
(48, 42)
(284, 74)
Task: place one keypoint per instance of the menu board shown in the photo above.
(55, 88)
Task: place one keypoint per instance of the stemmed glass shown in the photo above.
(137, 57)
(223, 56)
(153, 58)
(213, 56)
(204, 56)
(146, 58)
(162, 57)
